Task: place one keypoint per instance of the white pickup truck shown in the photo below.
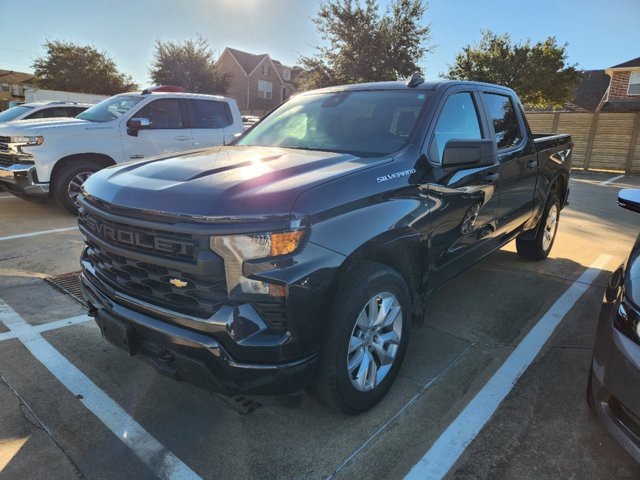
(42, 159)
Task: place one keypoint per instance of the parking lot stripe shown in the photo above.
(444, 453)
(612, 180)
(45, 327)
(35, 234)
(151, 452)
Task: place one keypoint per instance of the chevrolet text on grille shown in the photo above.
(137, 239)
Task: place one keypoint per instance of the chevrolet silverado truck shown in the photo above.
(51, 158)
(303, 254)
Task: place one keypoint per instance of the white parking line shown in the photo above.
(35, 234)
(7, 196)
(612, 180)
(151, 452)
(45, 327)
(444, 453)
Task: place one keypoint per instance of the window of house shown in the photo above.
(458, 120)
(265, 69)
(162, 114)
(286, 74)
(5, 87)
(634, 84)
(265, 89)
(504, 118)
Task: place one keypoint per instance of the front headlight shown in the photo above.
(236, 249)
(28, 140)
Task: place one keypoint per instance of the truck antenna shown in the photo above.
(415, 80)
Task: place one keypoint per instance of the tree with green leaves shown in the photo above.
(190, 64)
(538, 72)
(365, 45)
(70, 67)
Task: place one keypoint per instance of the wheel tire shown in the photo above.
(66, 182)
(367, 282)
(540, 246)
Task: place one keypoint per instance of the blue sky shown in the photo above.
(600, 34)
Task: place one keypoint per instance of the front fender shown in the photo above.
(379, 224)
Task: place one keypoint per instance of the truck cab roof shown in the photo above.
(400, 85)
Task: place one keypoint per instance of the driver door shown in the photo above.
(167, 131)
(464, 198)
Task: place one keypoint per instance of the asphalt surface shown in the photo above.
(542, 429)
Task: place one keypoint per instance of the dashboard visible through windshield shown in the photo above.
(364, 123)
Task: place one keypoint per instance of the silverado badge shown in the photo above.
(176, 282)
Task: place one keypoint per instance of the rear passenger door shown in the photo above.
(518, 160)
(208, 121)
(167, 131)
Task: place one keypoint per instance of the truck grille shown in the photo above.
(6, 160)
(157, 242)
(149, 282)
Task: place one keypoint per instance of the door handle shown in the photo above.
(182, 137)
(492, 177)
(532, 163)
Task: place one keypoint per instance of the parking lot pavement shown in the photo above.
(76, 404)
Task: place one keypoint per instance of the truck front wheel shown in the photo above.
(68, 183)
(540, 246)
(365, 340)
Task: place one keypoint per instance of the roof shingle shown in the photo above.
(248, 61)
(631, 63)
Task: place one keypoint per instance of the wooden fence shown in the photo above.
(603, 141)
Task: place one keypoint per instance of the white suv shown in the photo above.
(39, 110)
(53, 158)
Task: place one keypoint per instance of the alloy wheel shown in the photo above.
(550, 227)
(374, 341)
(75, 185)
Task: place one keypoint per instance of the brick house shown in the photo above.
(12, 87)
(257, 82)
(623, 94)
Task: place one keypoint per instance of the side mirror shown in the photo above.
(629, 198)
(136, 124)
(469, 152)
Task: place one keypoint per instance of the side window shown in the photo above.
(58, 112)
(44, 113)
(505, 121)
(210, 114)
(162, 114)
(458, 120)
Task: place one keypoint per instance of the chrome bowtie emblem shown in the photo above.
(176, 282)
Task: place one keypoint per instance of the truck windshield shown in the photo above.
(110, 109)
(13, 113)
(364, 123)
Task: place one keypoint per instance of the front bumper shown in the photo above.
(615, 382)
(22, 180)
(191, 356)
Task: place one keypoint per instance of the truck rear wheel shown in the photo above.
(540, 246)
(366, 339)
(68, 183)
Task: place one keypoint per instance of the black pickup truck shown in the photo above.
(302, 255)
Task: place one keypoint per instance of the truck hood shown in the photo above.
(225, 183)
(43, 125)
